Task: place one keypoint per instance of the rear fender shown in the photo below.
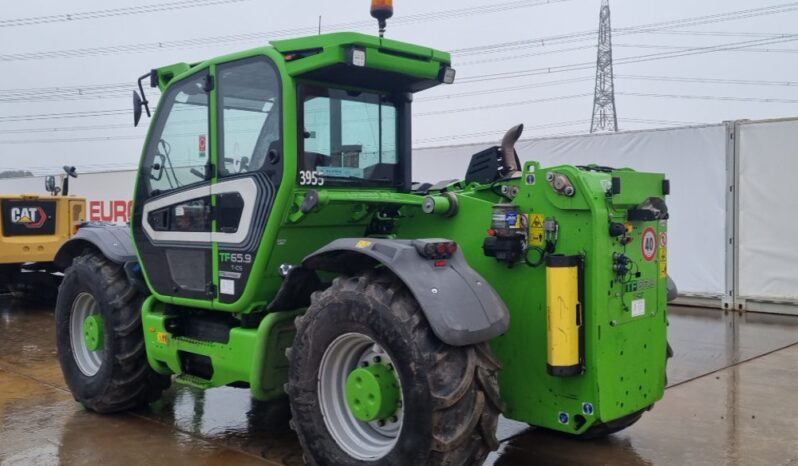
(460, 305)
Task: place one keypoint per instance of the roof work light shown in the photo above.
(381, 10)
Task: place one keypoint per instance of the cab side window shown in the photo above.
(249, 102)
(178, 151)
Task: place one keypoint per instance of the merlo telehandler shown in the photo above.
(279, 244)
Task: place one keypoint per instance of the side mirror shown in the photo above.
(49, 185)
(137, 104)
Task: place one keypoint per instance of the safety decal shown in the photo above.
(203, 146)
(638, 307)
(536, 229)
(512, 219)
(227, 286)
(363, 244)
(663, 255)
(648, 243)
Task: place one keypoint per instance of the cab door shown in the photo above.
(250, 149)
(173, 216)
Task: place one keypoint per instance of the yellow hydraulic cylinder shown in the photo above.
(564, 315)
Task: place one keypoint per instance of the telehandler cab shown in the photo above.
(279, 244)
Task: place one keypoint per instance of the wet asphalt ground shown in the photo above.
(732, 400)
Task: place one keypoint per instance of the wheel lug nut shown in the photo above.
(390, 366)
(377, 359)
(394, 419)
(381, 423)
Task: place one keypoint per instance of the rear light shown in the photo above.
(437, 250)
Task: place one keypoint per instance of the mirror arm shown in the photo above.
(144, 100)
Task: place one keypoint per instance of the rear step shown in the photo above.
(193, 381)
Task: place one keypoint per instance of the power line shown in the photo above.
(497, 90)
(497, 132)
(52, 116)
(645, 28)
(743, 82)
(713, 97)
(504, 105)
(136, 10)
(64, 129)
(261, 37)
(115, 90)
(683, 48)
(627, 60)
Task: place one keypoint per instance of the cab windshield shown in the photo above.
(347, 137)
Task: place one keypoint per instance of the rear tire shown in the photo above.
(450, 401)
(115, 376)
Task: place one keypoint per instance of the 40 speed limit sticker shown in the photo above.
(648, 243)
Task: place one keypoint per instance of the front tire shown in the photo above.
(448, 404)
(100, 339)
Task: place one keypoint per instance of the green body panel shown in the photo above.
(251, 356)
(623, 356)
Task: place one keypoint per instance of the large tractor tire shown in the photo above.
(370, 383)
(100, 339)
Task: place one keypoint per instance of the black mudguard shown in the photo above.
(461, 306)
(113, 241)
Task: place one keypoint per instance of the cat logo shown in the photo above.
(30, 217)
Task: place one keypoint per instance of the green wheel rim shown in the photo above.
(341, 364)
(372, 392)
(93, 332)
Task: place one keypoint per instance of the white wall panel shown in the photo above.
(768, 210)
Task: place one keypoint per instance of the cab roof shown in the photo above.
(389, 64)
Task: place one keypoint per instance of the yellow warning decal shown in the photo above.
(163, 338)
(536, 229)
(363, 244)
(663, 255)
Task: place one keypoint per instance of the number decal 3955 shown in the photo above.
(311, 178)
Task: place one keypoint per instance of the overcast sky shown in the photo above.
(755, 82)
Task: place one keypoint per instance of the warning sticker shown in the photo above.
(648, 243)
(638, 307)
(227, 286)
(663, 255)
(536, 229)
(203, 145)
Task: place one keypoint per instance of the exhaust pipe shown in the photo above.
(509, 162)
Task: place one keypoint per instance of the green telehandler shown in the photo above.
(278, 244)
